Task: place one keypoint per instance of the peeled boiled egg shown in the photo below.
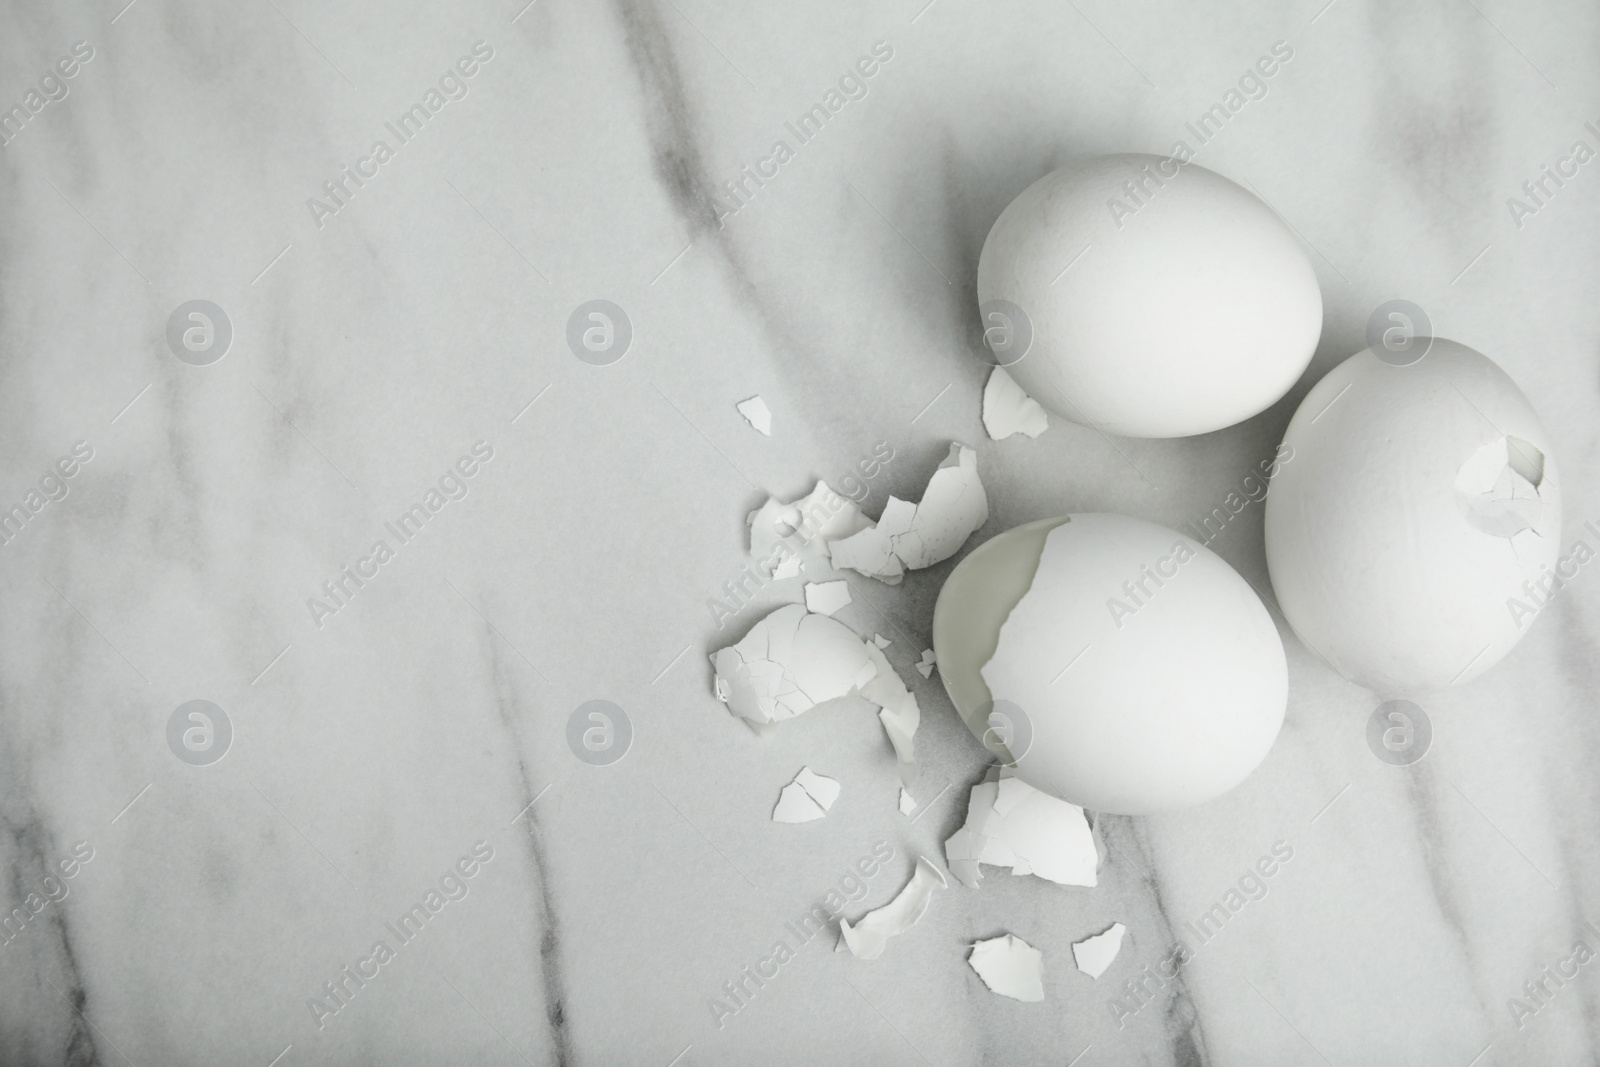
(1147, 297)
(1414, 513)
(1115, 663)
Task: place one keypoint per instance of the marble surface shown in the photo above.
(375, 747)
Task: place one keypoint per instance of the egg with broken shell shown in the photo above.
(1147, 296)
(1411, 532)
(1117, 664)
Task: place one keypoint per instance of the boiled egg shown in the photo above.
(1414, 518)
(1117, 664)
(1147, 297)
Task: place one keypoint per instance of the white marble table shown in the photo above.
(582, 154)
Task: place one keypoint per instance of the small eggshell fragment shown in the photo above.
(1156, 298)
(1413, 508)
(1120, 665)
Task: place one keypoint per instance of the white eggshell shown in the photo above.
(1192, 309)
(1167, 699)
(1399, 530)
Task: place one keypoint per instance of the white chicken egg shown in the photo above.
(1413, 517)
(1118, 664)
(1147, 297)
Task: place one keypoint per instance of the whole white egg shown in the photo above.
(1147, 297)
(1116, 663)
(1415, 510)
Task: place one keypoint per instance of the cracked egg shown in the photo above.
(1113, 663)
(1418, 501)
